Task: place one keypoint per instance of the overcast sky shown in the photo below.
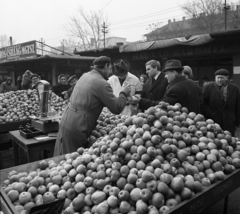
(27, 20)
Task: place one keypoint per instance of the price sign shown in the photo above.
(54, 207)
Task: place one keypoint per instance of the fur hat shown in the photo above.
(121, 67)
(71, 78)
(222, 71)
(102, 60)
(173, 64)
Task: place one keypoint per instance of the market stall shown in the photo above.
(166, 160)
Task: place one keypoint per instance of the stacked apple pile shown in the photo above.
(18, 105)
(105, 123)
(150, 164)
(22, 104)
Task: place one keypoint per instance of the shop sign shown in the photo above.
(23, 50)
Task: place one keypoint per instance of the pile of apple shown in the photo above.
(23, 104)
(149, 164)
(18, 105)
(106, 122)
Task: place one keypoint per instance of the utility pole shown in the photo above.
(226, 7)
(63, 46)
(104, 30)
(42, 41)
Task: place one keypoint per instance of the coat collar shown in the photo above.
(176, 80)
(100, 71)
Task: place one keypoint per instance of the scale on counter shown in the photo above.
(45, 122)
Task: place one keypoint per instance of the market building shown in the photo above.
(204, 53)
(16, 59)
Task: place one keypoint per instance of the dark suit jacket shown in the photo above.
(154, 91)
(226, 114)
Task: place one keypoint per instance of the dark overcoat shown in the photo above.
(153, 91)
(225, 113)
(59, 88)
(181, 90)
(91, 93)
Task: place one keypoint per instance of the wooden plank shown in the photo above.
(209, 196)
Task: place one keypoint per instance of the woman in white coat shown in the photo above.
(122, 78)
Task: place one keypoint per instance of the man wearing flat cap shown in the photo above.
(90, 95)
(35, 78)
(121, 78)
(180, 89)
(62, 86)
(72, 82)
(222, 102)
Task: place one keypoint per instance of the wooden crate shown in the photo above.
(8, 207)
(6, 158)
(7, 127)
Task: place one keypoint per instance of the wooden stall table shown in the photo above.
(33, 149)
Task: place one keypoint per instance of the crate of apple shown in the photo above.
(150, 164)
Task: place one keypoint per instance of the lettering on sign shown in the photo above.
(18, 51)
(194, 51)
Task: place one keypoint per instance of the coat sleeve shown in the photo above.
(207, 112)
(171, 97)
(237, 109)
(144, 103)
(113, 103)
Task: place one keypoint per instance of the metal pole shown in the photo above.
(225, 7)
(104, 33)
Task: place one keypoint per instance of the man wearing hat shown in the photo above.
(61, 86)
(222, 102)
(90, 95)
(35, 79)
(156, 85)
(180, 89)
(121, 78)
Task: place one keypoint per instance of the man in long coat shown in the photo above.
(180, 89)
(91, 93)
(156, 85)
(222, 102)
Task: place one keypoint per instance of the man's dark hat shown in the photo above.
(102, 60)
(173, 64)
(72, 78)
(121, 67)
(223, 72)
(34, 75)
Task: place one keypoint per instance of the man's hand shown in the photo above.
(134, 100)
(127, 90)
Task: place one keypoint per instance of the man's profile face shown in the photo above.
(170, 75)
(221, 80)
(151, 72)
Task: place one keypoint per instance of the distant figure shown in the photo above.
(26, 80)
(222, 102)
(72, 82)
(7, 86)
(19, 82)
(35, 79)
(187, 72)
(143, 79)
(61, 86)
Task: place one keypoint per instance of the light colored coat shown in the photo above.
(131, 80)
(91, 93)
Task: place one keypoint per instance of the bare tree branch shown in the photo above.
(87, 28)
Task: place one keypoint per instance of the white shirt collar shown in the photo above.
(157, 75)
